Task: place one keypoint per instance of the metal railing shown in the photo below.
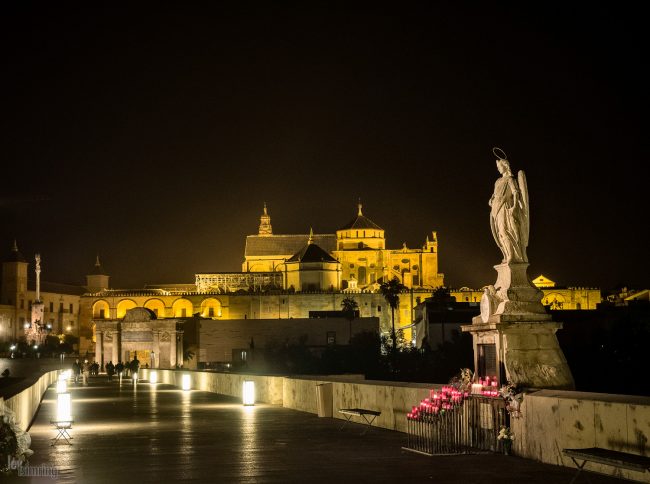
(472, 426)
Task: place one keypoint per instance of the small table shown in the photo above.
(62, 428)
(368, 415)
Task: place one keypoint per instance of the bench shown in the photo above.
(623, 460)
(368, 415)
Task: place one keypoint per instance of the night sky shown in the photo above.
(153, 135)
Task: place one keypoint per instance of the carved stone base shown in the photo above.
(528, 353)
(513, 297)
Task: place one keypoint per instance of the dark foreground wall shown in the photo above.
(218, 339)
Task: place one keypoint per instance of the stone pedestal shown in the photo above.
(527, 353)
(515, 296)
(514, 320)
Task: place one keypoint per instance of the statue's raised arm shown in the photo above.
(509, 214)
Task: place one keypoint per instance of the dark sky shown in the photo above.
(153, 134)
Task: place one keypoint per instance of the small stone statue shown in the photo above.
(509, 216)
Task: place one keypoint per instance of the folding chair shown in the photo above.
(62, 431)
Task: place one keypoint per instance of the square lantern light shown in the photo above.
(135, 377)
(63, 408)
(249, 392)
(187, 382)
(61, 386)
(153, 377)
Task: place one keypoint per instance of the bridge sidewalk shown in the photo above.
(162, 434)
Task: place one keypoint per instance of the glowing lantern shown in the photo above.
(249, 392)
(61, 386)
(153, 377)
(63, 408)
(187, 382)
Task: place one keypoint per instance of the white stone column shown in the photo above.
(156, 348)
(116, 346)
(179, 347)
(99, 347)
(172, 349)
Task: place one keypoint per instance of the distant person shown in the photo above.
(119, 368)
(76, 370)
(135, 364)
(85, 372)
(110, 370)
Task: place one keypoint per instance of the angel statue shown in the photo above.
(509, 216)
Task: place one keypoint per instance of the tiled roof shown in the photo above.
(15, 256)
(57, 288)
(361, 222)
(312, 253)
(285, 245)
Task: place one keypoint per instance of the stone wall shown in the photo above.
(218, 338)
(394, 400)
(554, 420)
(551, 420)
(26, 403)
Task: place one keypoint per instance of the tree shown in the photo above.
(391, 291)
(350, 309)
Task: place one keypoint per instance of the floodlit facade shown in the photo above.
(285, 276)
(18, 296)
(360, 248)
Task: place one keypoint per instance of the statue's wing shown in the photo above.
(525, 210)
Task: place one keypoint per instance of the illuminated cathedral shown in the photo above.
(354, 258)
(284, 276)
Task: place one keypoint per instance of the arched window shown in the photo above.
(101, 310)
(123, 306)
(211, 308)
(182, 308)
(157, 306)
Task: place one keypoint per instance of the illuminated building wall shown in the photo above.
(360, 247)
(61, 302)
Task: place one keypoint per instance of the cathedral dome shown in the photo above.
(311, 253)
(361, 222)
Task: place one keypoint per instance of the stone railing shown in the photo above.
(26, 402)
(553, 420)
(393, 399)
(550, 421)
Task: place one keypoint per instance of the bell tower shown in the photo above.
(265, 223)
(98, 280)
(14, 277)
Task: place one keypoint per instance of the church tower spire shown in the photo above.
(265, 223)
(98, 280)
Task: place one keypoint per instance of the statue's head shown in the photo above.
(502, 160)
(503, 166)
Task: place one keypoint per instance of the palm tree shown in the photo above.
(391, 291)
(350, 309)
